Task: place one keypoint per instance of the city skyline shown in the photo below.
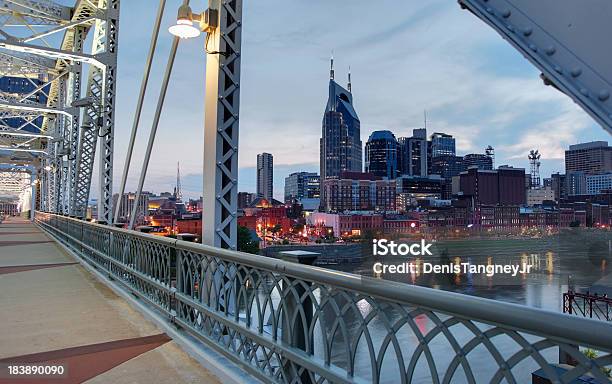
(448, 58)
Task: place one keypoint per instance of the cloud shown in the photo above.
(405, 57)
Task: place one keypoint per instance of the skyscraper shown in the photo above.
(591, 158)
(442, 144)
(340, 145)
(482, 161)
(414, 154)
(265, 175)
(381, 154)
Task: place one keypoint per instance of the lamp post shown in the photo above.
(222, 22)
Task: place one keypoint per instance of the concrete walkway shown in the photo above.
(55, 312)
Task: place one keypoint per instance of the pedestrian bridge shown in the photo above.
(153, 309)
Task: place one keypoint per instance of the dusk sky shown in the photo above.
(405, 57)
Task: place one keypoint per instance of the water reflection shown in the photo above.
(577, 258)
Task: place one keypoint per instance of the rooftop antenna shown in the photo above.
(331, 70)
(425, 118)
(350, 88)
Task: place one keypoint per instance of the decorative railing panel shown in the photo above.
(293, 323)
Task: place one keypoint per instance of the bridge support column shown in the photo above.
(220, 200)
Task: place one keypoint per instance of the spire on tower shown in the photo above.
(349, 80)
(331, 70)
(178, 193)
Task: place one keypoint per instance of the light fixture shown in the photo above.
(48, 168)
(184, 27)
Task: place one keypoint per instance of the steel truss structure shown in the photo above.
(220, 204)
(565, 40)
(53, 126)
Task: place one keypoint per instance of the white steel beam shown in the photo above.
(222, 101)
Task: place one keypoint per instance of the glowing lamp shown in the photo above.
(184, 27)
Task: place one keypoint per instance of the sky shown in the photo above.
(406, 56)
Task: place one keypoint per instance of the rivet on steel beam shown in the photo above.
(533, 47)
(490, 10)
(558, 69)
(576, 72)
(604, 95)
(584, 91)
(510, 28)
(550, 50)
(506, 13)
(527, 31)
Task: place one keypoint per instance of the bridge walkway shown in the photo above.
(53, 311)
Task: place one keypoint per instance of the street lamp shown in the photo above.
(184, 27)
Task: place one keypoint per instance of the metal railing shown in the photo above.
(588, 305)
(292, 323)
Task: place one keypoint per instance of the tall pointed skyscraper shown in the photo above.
(340, 146)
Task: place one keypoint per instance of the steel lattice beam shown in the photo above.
(221, 127)
(567, 40)
(68, 147)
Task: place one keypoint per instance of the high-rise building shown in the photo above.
(590, 158)
(265, 175)
(442, 144)
(300, 185)
(504, 186)
(358, 194)
(575, 183)
(381, 154)
(482, 161)
(340, 145)
(559, 185)
(20, 86)
(413, 157)
(595, 184)
(411, 189)
(447, 167)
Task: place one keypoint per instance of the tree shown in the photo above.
(575, 224)
(246, 243)
(276, 229)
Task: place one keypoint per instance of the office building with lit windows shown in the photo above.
(301, 185)
(265, 175)
(442, 144)
(381, 154)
